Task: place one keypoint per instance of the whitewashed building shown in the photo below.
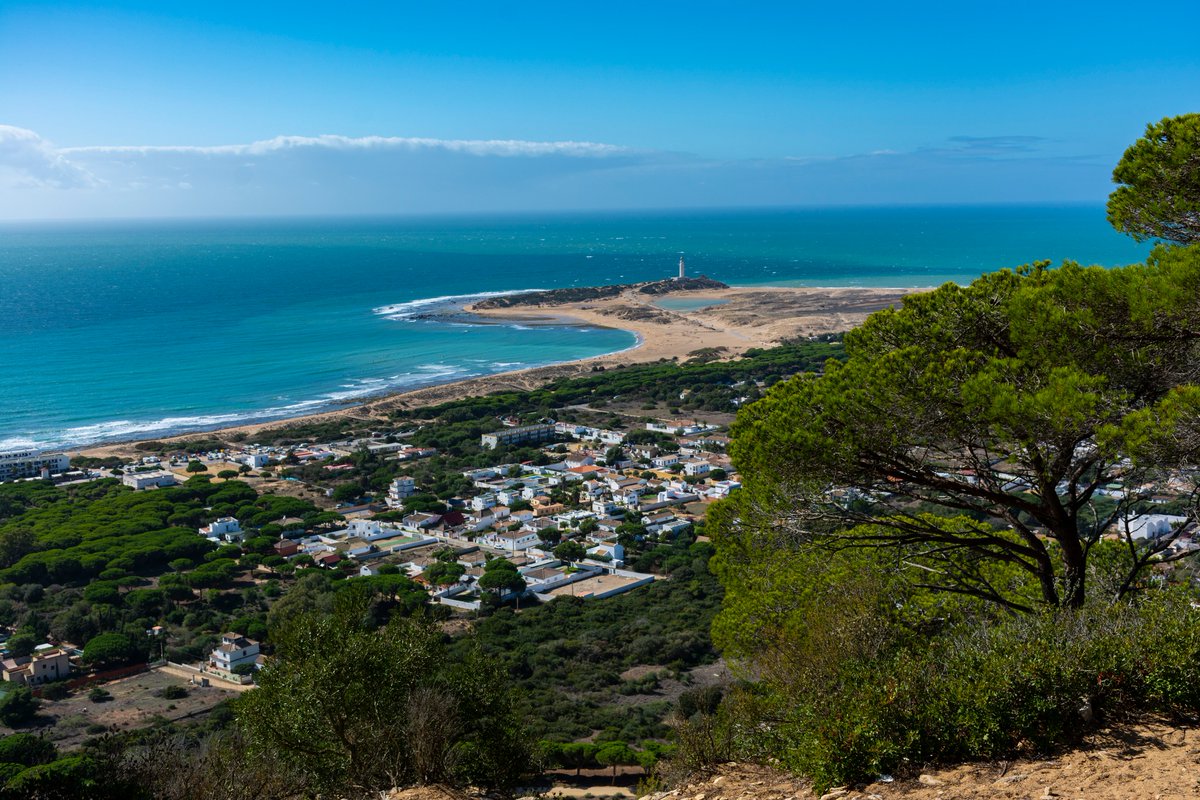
(400, 490)
(233, 651)
(16, 464)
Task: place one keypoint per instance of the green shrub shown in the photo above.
(981, 690)
(55, 691)
(18, 706)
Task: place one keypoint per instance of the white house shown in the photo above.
(630, 498)
(608, 551)
(508, 496)
(400, 490)
(367, 529)
(676, 497)
(723, 488)
(233, 651)
(148, 480)
(1153, 526)
(511, 541)
(604, 507)
(254, 460)
(696, 466)
(668, 528)
(483, 502)
(665, 460)
(226, 528)
(524, 515)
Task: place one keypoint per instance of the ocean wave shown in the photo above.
(125, 429)
(420, 376)
(18, 443)
(413, 307)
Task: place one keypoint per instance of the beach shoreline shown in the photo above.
(741, 318)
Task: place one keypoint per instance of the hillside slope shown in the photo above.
(1154, 760)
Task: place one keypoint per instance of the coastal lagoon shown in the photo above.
(131, 330)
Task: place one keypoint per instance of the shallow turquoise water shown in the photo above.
(134, 329)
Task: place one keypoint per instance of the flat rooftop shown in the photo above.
(588, 587)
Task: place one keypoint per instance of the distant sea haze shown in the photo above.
(140, 329)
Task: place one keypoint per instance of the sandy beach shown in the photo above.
(733, 321)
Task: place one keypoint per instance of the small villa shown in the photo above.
(47, 663)
(233, 651)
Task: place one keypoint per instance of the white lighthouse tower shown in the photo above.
(681, 269)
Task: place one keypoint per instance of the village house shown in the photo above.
(508, 495)
(545, 507)
(590, 490)
(286, 547)
(233, 651)
(668, 528)
(604, 507)
(254, 460)
(46, 663)
(224, 529)
(608, 552)
(511, 541)
(410, 453)
(327, 559)
(149, 480)
(400, 490)
(483, 501)
(580, 458)
(1152, 526)
(721, 489)
(421, 520)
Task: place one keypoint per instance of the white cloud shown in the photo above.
(30, 160)
(397, 175)
(475, 147)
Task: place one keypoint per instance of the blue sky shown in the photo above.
(133, 109)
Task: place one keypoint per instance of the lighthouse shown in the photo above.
(681, 272)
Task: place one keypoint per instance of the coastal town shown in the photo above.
(562, 525)
(573, 518)
(591, 500)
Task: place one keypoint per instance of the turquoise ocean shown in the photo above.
(121, 330)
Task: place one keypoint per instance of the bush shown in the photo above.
(18, 706)
(26, 749)
(398, 711)
(173, 692)
(55, 691)
(992, 690)
(99, 695)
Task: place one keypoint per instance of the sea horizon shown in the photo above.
(129, 329)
